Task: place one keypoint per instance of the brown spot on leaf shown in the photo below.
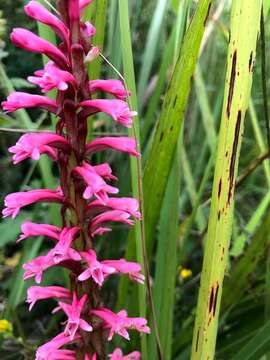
(207, 15)
(219, 187)
(215, 301)
(233, 156)
(197, 340)
(174, 101)
(250, 62)
(161, 136)
(232, 81)
(211, 300)
(219, 215)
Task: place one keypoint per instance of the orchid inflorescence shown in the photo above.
(84, 191)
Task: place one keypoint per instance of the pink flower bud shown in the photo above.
(32, 145)
(62, 249)
(129, 205)
(92, 54)
(84, 3)
(113, 87)
(41, 14)
(117, 109)
(20, 100)
(27, 40)
(124, 144)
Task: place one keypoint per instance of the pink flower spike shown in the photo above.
(41, 14)
(30, 229)
(52, 77)
(96, 270)
(62, 249)
(126, 267)
(50, 350)
(84, 3)
(95, 184)
(32, 145)
(119, 323)
(36, 267)
(20, 100)
(118, 355)
(108, 216)
(35, 293)
(124, 144)
(27, 40)
(129, 205)
(73, 312)
(113, 87)
(15, 201)
(117, 109)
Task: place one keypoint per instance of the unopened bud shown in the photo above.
(92, 55)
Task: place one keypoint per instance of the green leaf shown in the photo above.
(10, 229)
(257, 346)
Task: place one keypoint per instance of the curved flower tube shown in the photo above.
(117, 109)
(123, 144)
(41, 14)
(27, 40)
(15, 201)
(20, 100)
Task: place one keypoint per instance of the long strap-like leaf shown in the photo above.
(241, 55)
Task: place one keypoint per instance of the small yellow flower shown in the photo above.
(14, 260)
(5, 326)
(185, 273)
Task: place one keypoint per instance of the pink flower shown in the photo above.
(117, 109)
(62, 249)
(36, 267)
(124, 144)
(118, 355)
(73, 312)
(119, 323)
(52, 77)
(34, 144)
(129, 205)
(84, 3)
(90, 29)
(113, 87)
(15, 201)
(35, 293)
(20, 100)
(50, 350)
(31, 229)
(105, 171)
(40, 13)
(95, 184)
(97, 270)
(126, 267)
(27, 40)
(108, 216)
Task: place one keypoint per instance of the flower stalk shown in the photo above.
(84, 192)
